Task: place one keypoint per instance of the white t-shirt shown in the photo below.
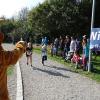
(72, 46)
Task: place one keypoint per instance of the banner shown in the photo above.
(95, 39)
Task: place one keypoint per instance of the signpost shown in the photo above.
(92, 22)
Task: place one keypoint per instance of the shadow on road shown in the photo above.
(59, 68)
(50, 72)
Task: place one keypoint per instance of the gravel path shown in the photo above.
(12, 85)
(55, 82)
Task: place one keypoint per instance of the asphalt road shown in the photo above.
(55, 82)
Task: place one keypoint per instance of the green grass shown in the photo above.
(10, 70)
(95, 74)
(96, 71)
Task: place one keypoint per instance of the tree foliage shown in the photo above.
(53, 18)
(61, 17)
(6, 26)
(97, 14)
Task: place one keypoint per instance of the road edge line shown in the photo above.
(19, 93)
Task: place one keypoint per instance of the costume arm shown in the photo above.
(11, 57)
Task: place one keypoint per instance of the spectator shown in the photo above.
(66, 46)
(78, 45)
(76, 59)
(72, 45)
(44, 41)
(51, 47)
(55, 46)
(61, 46)
(85, 55)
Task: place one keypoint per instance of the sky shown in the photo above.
(9, 8)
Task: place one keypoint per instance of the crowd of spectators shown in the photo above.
(72, 49)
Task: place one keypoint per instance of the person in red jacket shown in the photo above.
(76, 59)
(8, 58)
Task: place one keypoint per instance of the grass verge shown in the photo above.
(95, 74)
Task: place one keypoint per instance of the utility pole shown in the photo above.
(92, 25)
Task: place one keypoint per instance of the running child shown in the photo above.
(44, 53)
(29, 53)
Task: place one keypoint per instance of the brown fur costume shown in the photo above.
(8, 58)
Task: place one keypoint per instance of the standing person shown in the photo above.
(8, 58)
(53, 49)
(42, 42)
(55, 46)
(44, 53)
(72, 49)
(85, 56)
(76, 58)
(29, 53)
(66, 46)
(61, 45)
(72, 45)
(78, 45)
(45, 41)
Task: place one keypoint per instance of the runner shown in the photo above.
(44, 53)
(29, 53)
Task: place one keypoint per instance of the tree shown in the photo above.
(6, 26)
(84, 17)
(97, 14)
(53, 18)
(22, 29)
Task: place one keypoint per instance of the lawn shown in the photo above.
(95, 74)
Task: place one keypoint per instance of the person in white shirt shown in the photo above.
(72, 45)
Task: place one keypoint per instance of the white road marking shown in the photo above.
(19, 94)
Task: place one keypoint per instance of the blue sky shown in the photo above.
(9, 8)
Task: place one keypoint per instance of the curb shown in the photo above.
(19, 94)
